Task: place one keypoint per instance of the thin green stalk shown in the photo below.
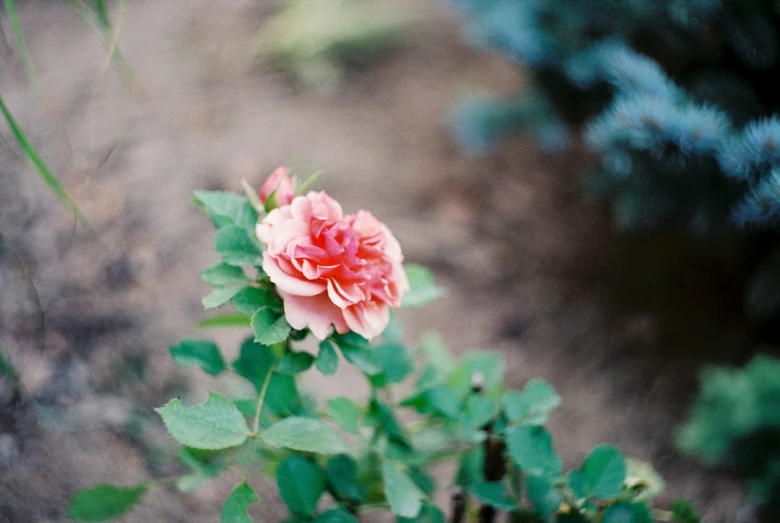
(99, 20)
(40, 165)
(21, 44)
(260, 400)
(256, 423)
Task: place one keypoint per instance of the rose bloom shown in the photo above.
(331, 268)
(279, 181)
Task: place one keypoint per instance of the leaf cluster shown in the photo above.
(337, 459)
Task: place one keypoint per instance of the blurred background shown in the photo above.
(594, 182)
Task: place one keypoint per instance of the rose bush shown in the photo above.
(315, 268)
(330, 268)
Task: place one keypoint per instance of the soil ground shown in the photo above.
(618, 324)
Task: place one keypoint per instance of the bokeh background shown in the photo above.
(620, 322)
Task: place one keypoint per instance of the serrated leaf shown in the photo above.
(223, 274)
(544, 496)
(215, 424)
(423, 288)
(236, 247)
(236, 505)
(604, 471)
(345, 413)
(226, 320)
(301, 483)
(231, 207)
(357, 351)
(404, 497)
(342, 474)
(327, 359)
(251, 299)
(103, 502)
(219, 297)
(270, 328)
(395, 362)
(531, 449)
(493, 493)
(478, 411)
(295, 362)
(305, 434)
(198, 353)
(533, 405)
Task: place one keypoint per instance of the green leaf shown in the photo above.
(428, 514)
(404, 497)
(395, 362)
(544, 496)
(198, 353)
(423, 288)
(357, 351)
(437, 400)
(439, 358)
(345, 413)
(493, 493)
(226, 320)
(270, 328)
(295, 362)
(254, 362)
(305, 434)
(236, 247)
(603, 472)
(250, 300)
(223, 274)
(627, 513)
(231, 207)
(683, 511)
(236, 505)
(533, 405)
(337, 515)
(478, 411)
(342, 474)
(219, 297)
(102, 502)
(531, 449)
(327, 359)
(301, 483)
(215, 424)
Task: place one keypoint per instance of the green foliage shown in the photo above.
(423, 288)
(735, 422)
(301, 484)
(403, 495)
(199, 353)
(683, 511)
(215, 424)
(237, 504)
(103, 502)
(314, 40)
(365, 454)
(304, 434)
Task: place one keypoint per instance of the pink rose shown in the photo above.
(278, 181)
(332, 269)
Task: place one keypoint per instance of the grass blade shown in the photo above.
(21, 44)
(40, 165)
